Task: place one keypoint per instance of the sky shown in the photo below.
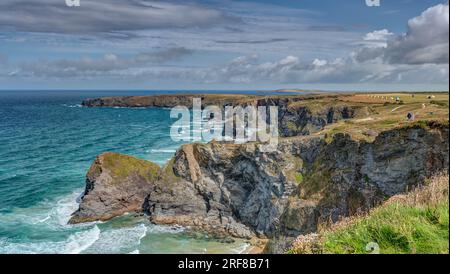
(224, 45)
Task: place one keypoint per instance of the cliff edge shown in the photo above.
(115, 184)
(237, 190)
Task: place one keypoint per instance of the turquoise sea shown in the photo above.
(47, 143)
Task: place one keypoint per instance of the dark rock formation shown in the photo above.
(301, 120)
(238, 190)
(115, 184)
(167, 101)
(296, 117)
(304, 182)
(225, 188)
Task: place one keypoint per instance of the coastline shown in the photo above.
(317, 138)
(113, 120)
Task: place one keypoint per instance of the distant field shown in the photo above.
(380, 98)
(383, 111)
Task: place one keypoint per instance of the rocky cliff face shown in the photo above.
(346, 176)
(225, 189)
(237, 190)
(115, 184)
(167, 101)
(295, 116)
(304, 182)
(301, 120)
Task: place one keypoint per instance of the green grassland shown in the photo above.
(415, 223)
(385, 113)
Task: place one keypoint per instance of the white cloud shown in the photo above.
(425, 42)
(243, 70)
(109, 64)
(419, 56)
(320, 63)
(378, 35)
(427, 39)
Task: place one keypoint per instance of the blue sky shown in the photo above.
(140, 44)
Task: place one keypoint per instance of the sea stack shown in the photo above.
(115, 184)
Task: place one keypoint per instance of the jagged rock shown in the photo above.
(237, 190)
(295, 115)
(348, 176)
(299, 217)
(298, 120)
(115, 184)
(167, 100)
(304, 182)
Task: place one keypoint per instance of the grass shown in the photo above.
(299, 178)
(167, 172)
(407, 98)
(314, 185)
(397, 229)
(440, 103)
(415, 223)
(385, 114)
(294, 174)
(122, 166)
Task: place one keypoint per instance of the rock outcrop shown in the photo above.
(304, 182)
(296, 116)
(240, 191)
(301, 120)
(168, 101)
(225, 189)
(115, 184)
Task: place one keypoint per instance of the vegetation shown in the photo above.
(167, 172)
(295, 174)
(299, 177)
(417, 222)
(386, 114)
(291, 125)
(123, 166)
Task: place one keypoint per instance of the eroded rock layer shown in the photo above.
(298, 115)
(237, 190)
(115, 184)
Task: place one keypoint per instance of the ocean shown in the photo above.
(47, 143)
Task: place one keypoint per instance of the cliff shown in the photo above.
(338, 155)
(115, 184)
(298, 114)
(237, 190)
(416, 222)
(167, 101)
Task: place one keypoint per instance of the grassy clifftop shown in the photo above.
(417, 222)
(122, 166)
(385, 113)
